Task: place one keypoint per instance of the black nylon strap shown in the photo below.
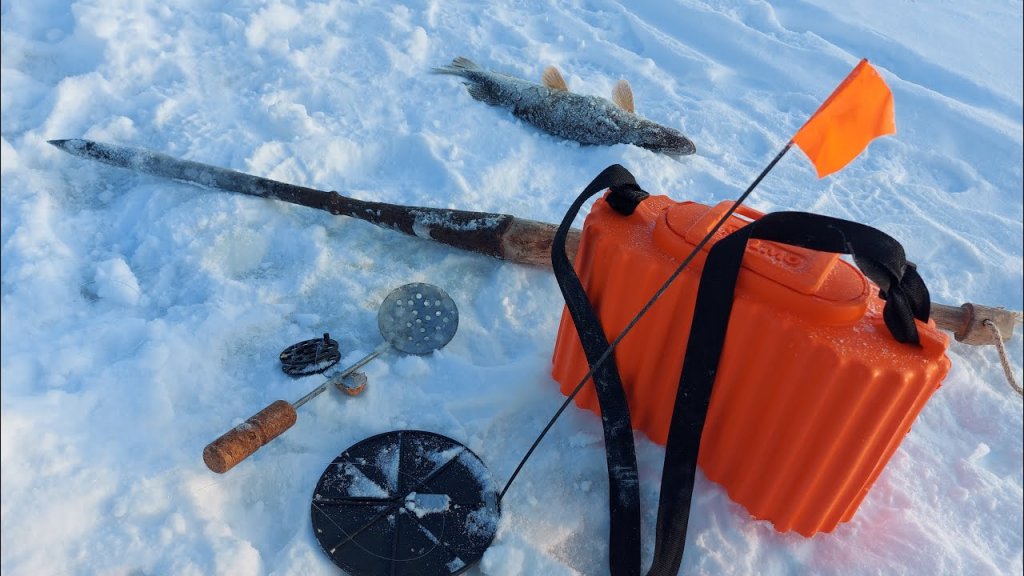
(623, 485)
(626, 197)
(880, 257)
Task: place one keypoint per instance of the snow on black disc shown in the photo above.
(405, 502)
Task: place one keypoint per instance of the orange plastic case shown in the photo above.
(812, 396)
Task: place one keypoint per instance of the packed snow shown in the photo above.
(142, 318)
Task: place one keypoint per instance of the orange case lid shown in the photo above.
(816, 285)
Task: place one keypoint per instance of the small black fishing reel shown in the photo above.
(310, 356)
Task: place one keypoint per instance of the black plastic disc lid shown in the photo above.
(405, 502)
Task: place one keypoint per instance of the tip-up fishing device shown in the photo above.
(744, 344)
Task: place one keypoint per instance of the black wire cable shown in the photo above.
(682, 266)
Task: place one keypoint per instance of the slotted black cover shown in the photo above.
(405, 502)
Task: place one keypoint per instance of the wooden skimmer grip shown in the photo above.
(241, 441)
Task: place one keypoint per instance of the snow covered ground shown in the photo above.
(142, 318)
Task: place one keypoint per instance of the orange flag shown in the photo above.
(859, 111)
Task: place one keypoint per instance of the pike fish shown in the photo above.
(553, 108)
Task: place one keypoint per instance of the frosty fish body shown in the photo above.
(584, 119)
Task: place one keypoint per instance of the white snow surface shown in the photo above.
(142, 318)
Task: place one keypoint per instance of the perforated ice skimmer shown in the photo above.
(415, 318)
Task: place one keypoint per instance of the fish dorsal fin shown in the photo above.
(552, 78)
(622, 95)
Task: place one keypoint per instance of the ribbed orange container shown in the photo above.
(812, 396)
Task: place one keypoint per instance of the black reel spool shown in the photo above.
(310, 356)
(405, 502)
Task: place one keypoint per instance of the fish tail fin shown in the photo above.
(474, 75)
(459, 67)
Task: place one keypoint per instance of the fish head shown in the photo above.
(665, 140)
